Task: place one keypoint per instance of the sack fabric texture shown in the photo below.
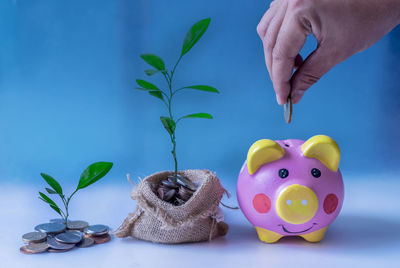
(161, 222)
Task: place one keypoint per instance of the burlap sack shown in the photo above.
(158, 221)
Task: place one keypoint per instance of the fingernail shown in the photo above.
(278, 100)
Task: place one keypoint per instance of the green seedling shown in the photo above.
(166, 96)
(90, 175)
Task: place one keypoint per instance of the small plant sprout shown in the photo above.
(90, 175)
(169, 122)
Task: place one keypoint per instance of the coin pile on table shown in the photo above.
(176, 191)
(57, 237)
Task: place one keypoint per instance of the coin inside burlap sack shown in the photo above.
(159, 221)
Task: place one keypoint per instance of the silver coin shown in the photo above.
(187, 183)
(168, 195)
(52, 242)
(50, 228)
(288, 110)
(52, 250)
(76, 232)
(68, 238)
(169, 183)
(97, 229)
(36, 247)
(85, 242)
(77, 225)
(160, 193)
(59, 220)
(184, 193)
(34, 237)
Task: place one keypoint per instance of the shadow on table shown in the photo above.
(361, 232)
(238, 235)
(350, 233)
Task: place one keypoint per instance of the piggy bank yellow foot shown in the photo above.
(316, 236)
(267, 236)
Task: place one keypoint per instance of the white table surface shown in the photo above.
(366, 233)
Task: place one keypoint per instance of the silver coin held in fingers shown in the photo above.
(288, 110)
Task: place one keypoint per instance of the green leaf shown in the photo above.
(194, 34)
(52, 182)
(154, 61)
(204, 88)
(146, 85)
(199, 115)
(168, 124)
(46, 199)
(50, 191)
(150, 72)
(57, 209)
(50, 202)
(93, 173)
(156, 93)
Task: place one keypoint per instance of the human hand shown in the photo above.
(341, 28)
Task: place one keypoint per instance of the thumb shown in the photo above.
(310, 71)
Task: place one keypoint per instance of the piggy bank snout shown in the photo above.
(297, 204)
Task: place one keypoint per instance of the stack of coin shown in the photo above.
(98, 233)
(176, 191)
(57, 237)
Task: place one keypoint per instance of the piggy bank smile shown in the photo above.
(291, 187)
(289, 232)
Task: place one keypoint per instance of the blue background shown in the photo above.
(67, 98)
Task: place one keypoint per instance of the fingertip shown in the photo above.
(280, 100)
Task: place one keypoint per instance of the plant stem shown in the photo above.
(171, 94)
(173, 134)
(168, 77)
(175, 160)
(173, 70)
(66, 203)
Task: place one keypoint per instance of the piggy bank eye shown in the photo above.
(316, 172)
(283, 173)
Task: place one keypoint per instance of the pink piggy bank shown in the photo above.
(291, 187)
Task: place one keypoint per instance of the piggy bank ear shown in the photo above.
(323, 148)
(262, 152)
